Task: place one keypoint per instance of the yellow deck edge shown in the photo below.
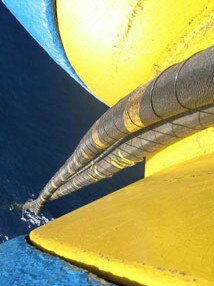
(158, 231)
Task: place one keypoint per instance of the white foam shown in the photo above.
(3, 237)
(33, 219)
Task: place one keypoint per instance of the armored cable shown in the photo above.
(184, 87)
(138, 147)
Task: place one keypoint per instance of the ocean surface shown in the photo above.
(43, 115)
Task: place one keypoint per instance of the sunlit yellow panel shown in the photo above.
(197, 145)
(156, 232)
(115, 46)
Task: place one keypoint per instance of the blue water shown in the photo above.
(43, 115)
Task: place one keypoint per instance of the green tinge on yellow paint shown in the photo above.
(115, 46)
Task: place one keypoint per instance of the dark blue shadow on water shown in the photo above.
(43, 115)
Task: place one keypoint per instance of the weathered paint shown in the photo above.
(156, 232)
(115, 46)
(22, 264)
(39, 19)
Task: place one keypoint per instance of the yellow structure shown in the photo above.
(197, 145)
(156, 232)
(114, 46)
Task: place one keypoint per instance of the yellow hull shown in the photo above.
(115, 46)
(158, 231)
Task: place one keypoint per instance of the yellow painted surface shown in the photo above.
(156, 232)
(199, 144)
(115, 46)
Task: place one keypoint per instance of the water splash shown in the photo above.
(3, 238)
(34, 219)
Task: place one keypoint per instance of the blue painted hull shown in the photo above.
(22, 264)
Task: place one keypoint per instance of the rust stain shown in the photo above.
(136, 9)
(123, 36)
